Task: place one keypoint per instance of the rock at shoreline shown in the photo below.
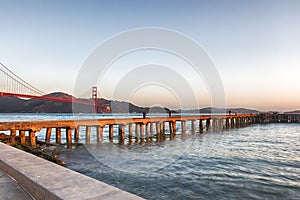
(42, 150)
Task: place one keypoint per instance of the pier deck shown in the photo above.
(144, 127)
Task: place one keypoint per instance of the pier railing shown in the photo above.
(145, 128)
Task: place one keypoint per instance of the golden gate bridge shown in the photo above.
(14, 86)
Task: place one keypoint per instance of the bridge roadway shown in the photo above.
(144, 127)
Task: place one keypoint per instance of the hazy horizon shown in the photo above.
(253, 45)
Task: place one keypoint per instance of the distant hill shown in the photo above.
(293, 112)
(11, 104)
(220, 110)
(17, 105)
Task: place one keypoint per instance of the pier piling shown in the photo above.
(99, 133)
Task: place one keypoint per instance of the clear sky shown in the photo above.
(255, 45)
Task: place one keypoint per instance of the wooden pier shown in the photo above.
(139, 128)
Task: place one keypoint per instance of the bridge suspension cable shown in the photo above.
(12, 83)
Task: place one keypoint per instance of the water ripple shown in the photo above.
(257, 162)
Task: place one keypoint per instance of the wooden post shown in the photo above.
(151, 128)
(238, 120)
(163, 128)
(76, 134)
(147, 131)
(227, 123)
(99, 133)
(88, 134)
(170, 128)
(201, 126)
(122, 131)
(183, 126)
(69, 135)
(251, 120)
(13, 135)
(111, 132)
(22, 137)
(222, 124)
(215, 124)
(208, 126)
(130, 131)
(32, 139)
(137, 130)
(193, 126)
(158, 129)
(48, 135)
(174, 127)
(142, 131)
(58, 135)
(232, 122)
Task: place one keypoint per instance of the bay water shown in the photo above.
(260, 161)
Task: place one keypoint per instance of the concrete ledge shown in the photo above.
(46, 180)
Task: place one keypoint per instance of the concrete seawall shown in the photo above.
(46, 180)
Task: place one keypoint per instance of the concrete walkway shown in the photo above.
(46, 180)
(10, 189)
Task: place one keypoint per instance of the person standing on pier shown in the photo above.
(144, 113)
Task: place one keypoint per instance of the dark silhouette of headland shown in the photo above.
(19, 105)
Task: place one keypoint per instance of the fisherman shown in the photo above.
(144, 113)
